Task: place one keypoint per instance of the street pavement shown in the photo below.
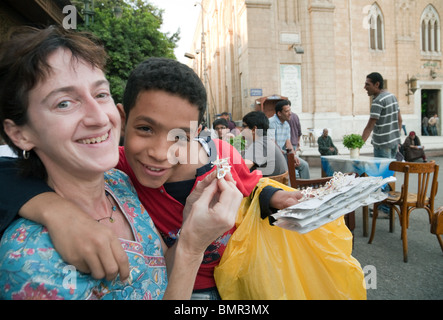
(387, 276)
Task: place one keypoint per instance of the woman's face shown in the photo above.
(73, 124)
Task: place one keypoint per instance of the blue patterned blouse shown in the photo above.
(30, 268)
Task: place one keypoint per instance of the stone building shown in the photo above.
(318, 53)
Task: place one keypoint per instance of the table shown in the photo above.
(363, 166)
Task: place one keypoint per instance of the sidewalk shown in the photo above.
(309, 152)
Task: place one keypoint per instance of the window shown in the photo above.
(376, 28)
(430, 31)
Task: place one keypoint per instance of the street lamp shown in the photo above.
(412, 86)
(189, 55)
(89, 11)
(203, 50)
(297, 49)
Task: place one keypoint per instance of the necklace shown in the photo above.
(114, 208)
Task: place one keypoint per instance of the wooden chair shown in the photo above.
(302, 183)
(282, 178)
(403, 202)
(314, 183)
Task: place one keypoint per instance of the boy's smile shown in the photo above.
(159, 137)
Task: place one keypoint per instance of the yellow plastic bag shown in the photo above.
(271, 263)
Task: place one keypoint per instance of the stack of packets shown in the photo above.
(342, 194)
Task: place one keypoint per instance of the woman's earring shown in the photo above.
(25, 154)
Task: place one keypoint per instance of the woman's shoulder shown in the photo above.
(30, 267)
(23, 232)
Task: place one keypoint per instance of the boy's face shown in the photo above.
(159, 138)
(221, 130)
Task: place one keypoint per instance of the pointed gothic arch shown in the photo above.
(376, 28)
(430, 31)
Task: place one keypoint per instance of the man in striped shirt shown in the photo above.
(385, 119)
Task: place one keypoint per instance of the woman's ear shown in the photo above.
(18, 135)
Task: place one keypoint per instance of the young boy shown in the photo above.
(164, 104)
(261, 149)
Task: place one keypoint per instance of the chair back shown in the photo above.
(302, 183)
(424, 172)
(282, 178)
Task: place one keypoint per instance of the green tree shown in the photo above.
(129, 39)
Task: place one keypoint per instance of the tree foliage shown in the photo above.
(129, 39)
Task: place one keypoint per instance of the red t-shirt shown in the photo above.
(167, 212)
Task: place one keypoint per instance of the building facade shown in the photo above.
(318, 53)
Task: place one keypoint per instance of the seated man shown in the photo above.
(261, 153)
(282, 133)
(325, 145)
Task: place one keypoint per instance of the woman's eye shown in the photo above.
(103, 95)
(64, 104)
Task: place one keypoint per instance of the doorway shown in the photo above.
(430, 100)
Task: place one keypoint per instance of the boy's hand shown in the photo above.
(210, 211)
(79, 239)
(283, 199)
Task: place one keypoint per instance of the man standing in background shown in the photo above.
(294, 124)
(424, 126)
(385, 119)
(433, 125)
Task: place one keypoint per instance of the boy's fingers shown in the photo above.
(207, 180)
(208, 194)
(116, 263)
(230, 196)
(122, 260)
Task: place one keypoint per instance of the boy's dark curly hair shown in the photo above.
(167, 75)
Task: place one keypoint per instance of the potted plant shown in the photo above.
(353, 142)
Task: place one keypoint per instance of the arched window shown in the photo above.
(430, 31)
(376, 28)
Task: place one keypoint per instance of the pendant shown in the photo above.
(111, 220)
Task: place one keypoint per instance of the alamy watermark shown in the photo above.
(70, 20)
(70, 279)
(370, 273)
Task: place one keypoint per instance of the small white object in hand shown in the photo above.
(337, 181)
(223, 167)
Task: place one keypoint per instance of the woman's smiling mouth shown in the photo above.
(95, 140)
